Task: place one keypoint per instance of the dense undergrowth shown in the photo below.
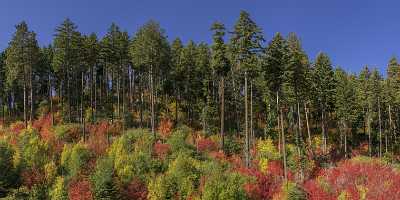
(55, 162)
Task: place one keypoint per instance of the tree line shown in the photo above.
(240, 84)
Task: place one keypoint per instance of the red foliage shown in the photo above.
(43, 125)
(206, 145)
(97, 141)
(80, 190)
(219, 155)
(161, 150)
(17, 127)
(266, 185)
(136, 189)
(165, 128)
(379, 180)
(31, 177)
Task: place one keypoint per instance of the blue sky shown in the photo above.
(354, 33)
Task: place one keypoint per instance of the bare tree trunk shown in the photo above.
(82, 114)
(278, 120)
(323, 130)
(283, 147)
(51, 102)
(222, 112)
(369, 133)
(247, 148)
(306, 110)
(380, 128)
(152, 102)
(390, 124)
(31, 95)
(25, 100)
(251, 142)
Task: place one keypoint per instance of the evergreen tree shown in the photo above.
(246, 45)
(150, 50)
(102, 180)
(324, 88)
(220, 65)
(21, 59)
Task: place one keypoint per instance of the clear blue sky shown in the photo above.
(353, 32)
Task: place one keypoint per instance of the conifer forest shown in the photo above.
(144, 116)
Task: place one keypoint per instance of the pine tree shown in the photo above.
(21, 59)
(324, 88)
(150, 50)
(345, 103)
(246, 45)
(220, 65)
(66, 63)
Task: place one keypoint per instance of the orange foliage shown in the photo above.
(32, 177)
(165, 128)
(136, 189)
(97, 141)
(161, 150)
(80, 190)
(17, 127)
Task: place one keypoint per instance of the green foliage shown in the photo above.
(102, 180)
(177, 141)
(74, 158)
(291, 191)
(59, 190)
(225, 187)
(131, 154)
(182, 180)
(7, 172)
(34, 152)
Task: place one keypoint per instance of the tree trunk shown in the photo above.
(82, 114)
(31, 115)
(251, 139)
(152, 102)
(323, 130)
(25, 100)
(278, 121)
(51, 102)
(380, 128)
(283, 147)
(369, 133)
(222, 112)
(306, 110)
(247, 148)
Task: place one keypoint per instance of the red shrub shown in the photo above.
(161, 150)
(136, 189)
(219, 155)
(31, 177)
(98, 138)
(165, 128)
(206, 145)
(372, 177)
(264, 186)
(17, 127)
(80, 190)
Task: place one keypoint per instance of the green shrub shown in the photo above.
(7, 172)
(225, 187)
(73, 159)
(59, 191)
(102, 180)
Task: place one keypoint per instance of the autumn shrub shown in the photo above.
(98, 139)
(359, 177)
(17, 127)
(80, 189)
(206, 145)
(68, 132)
(165, 128)
(161, 150)
(74, 159)
(136, 189)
